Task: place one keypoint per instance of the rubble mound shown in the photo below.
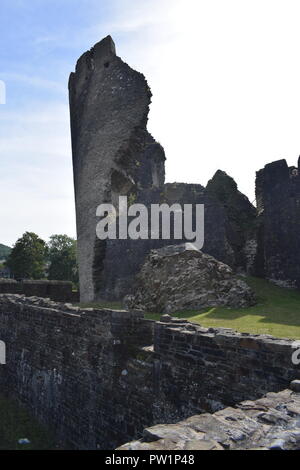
(179, 277)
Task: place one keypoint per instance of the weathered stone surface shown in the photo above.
(65, 364)
(217, 236)
(278, 196)
(177, 278)
(9, 286)
(59, 291)
(233, 429)
(295, 386)
(113, 155)
(94, 376)
(241, 220)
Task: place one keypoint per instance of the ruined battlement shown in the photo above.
(96, 56)
(59, 291)
(278, 203)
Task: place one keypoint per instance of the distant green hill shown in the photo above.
(4, 251)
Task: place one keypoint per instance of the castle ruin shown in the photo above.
(114, 155)
(99, 377)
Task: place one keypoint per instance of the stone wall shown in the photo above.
(278, 203)
(239, 221)
(96, 379)
(10, 286)
(114, 155)
(66, 365)
(59, 291)
(227, 366)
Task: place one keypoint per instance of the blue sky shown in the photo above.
(225, 78)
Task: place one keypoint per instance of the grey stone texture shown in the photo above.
(59, 291)
(269, 423)
(278, 203)
(240, 220)
(99, 377)
(9, 286)
(295, 386)
(178, 278)
(114, 154)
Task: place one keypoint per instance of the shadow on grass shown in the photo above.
(275, 305)
(277, 312)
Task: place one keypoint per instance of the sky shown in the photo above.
(225, 78)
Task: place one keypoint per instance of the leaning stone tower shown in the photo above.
(113, 154)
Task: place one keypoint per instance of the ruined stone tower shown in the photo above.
(278, 203)
(113, 154)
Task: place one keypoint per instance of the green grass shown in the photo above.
(16, 423)
(104, 304)
(277, 312)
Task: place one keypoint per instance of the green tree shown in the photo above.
(62, 257)
(4, 251)
(28, 257)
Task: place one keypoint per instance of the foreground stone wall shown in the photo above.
(65, 365)
(10, 286)
(95, 377)
(230, 366)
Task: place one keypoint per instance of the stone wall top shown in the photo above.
(188, 329)
(270, 423)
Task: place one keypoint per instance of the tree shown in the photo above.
(4, 251)
(28, 257)
(62, 257)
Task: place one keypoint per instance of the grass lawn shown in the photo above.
(16, 423)
(104, 304)
(277, 312)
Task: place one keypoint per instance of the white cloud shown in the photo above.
(225, 80)
(36, 181)
(34, 81)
